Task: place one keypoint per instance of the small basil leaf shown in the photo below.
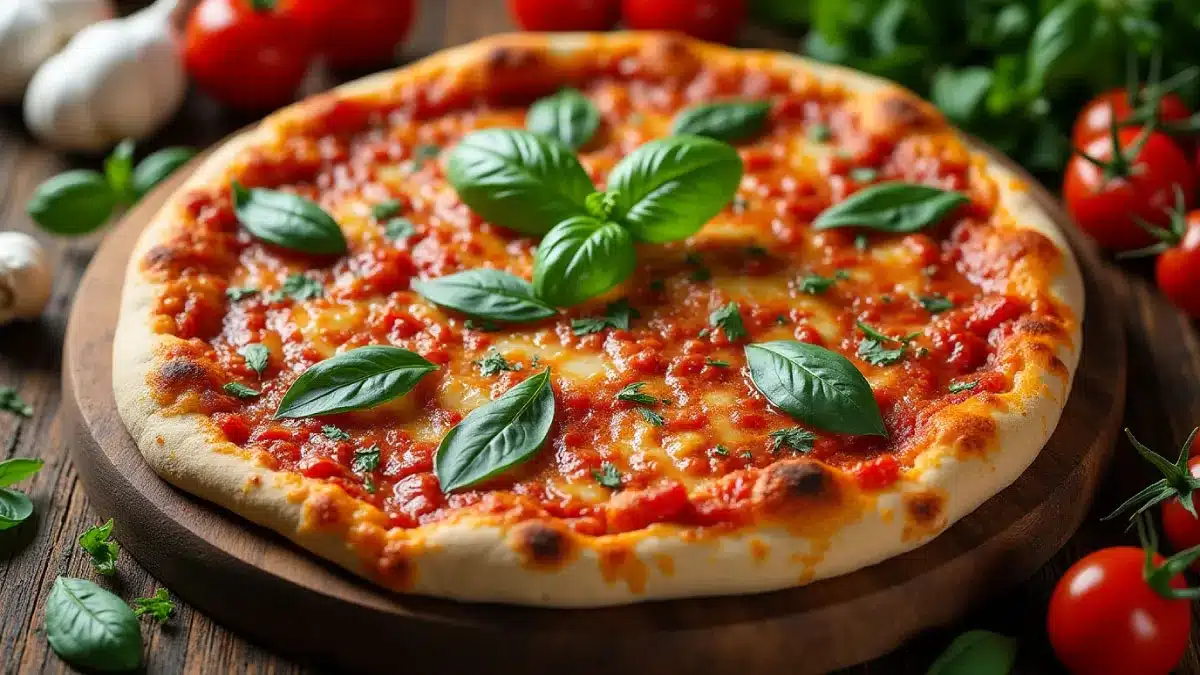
(15, 507)
(256, 356)
(487, 294)
(580, 259)
(155, 168)
(517, 179)
(496, 435)
(815, 385)
(728, 121)
(354, 380)
(891, 207)
(18, 469)
(977, 652)
(118, 169)
(287, 220)
(72, 203)
(91, 628)
(568, 116)
(669, 188)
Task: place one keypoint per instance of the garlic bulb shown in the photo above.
(31, 31)
(26, 277)
(116, 79)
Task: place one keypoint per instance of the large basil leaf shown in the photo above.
(518, 179)
(91, 628)
(669, 188)
(1054, 48)
(496, 435)
(580, 259)
(568, 116)
(815, 385)
(15, 507)
(727, 121)
(18, 469)
(891, 207)
(155, 168)
(72, 203)
(287, 220)
(977, 652)
(486, 294)
(353, 380)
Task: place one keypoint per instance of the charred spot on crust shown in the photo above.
(786, 485)
(503, 58)
(159, 256)
(540, 544)
(969, 434)
(924, 508)
(670, 56)
(899, 110)
(180, 374)
(1032, 325)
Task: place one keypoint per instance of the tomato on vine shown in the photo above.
(1175, 491)
(1123, 610)
(1177, 269)
(560, 15)
(356, 34)
(716, 20)
(1136, 105)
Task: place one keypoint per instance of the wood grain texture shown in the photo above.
(1164, 403)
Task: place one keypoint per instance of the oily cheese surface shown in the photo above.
(709, 500)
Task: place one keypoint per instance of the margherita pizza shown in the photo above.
(580, 320)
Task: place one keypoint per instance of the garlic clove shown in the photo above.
(26, 277)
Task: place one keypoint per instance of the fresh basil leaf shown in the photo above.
(15, 507)
(118, 170)
(240, 390)
(797, 438)
(977, 652)
(155, 168)
(11, 401)
(72, 203)
(568, 116)
(240, 293)
(160, 606)
(1057, 40)
(729, 319)
(297, 287)
(386, 209)
(287, 220)
(334, 433)
(618, 315)
(518, 179)
(935, 304)
(956, 387)
(98, 544)
(669, 188)
(497, 435)
(726, 121)
(608, 476)
(817, 386)
(495, 363)
(353, 380)
(487, 294)
(256, 356)
(18, 469)
(365, 461)
(581, 258)
(633, 393)
(891, 207)
(399, 228)
(960, 94)
(91, 628)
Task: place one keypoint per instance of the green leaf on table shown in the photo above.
(354, 380)
(118, 170)
(287, 220)
(11, 401)
(581, 258)
(567, 116)
(97, 542)
(486, 294)
(18, 469)
(90, 627)
(157, 166)
(977, 652)
(159, 606)
(15, 508)
(72, 203)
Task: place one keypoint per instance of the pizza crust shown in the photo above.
(538, 564)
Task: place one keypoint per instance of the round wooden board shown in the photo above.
(258, 583)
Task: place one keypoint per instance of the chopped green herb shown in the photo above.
(102, 549)
(256, 356)
(650, 416)
(815, 284)
(699, 271)
(12, 402)
(608, 476)
(756, 251)
(365, 461)
(334, 434)
(864, 174)
(384, 210)
(729, 319)
(422, 153)
(782, 320)
(159, 606)
(746, 454)
(819, 133)
(873, 349)
(956, 387)
(935, 304)
(721, 451)
(240, 293)
(485, 325)
(297, 287)
(633, 393)
(399, 228)
(658, 285)
(495, 363)
(704, 332)
(886, 298)
(861, 242)
(240, 390)
(716, 363)
(798, 439)
(617, 315)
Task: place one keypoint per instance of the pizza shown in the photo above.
(581, 320)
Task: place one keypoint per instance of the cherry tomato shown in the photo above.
(1104, 206)
(553, 15)
(1182, 528)
(1096, 117)
(715, 20)
(355, 34)
(1104, 617)
(244, 53)
(1177, 269)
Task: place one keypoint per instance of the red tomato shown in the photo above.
(716, 20)
(1182, 528)
(1104, 203)
(1177, 270)
(246, 57)
(1096, 117)
(356, 34)
(1104, 617)
(552, 15)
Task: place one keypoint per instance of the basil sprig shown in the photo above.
(496, 435)
(582, 258)
(891, 207)
(977, 652)
(15, 507)
(724, 121)
(287, 220)
(486, 294)
(520, 180)
(91, 628)
(354, 380)
(568, 116)
(815, 385)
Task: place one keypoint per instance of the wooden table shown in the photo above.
(1164, 404)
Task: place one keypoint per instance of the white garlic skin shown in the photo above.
(26, 277)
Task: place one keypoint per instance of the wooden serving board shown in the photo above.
(258, 583)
